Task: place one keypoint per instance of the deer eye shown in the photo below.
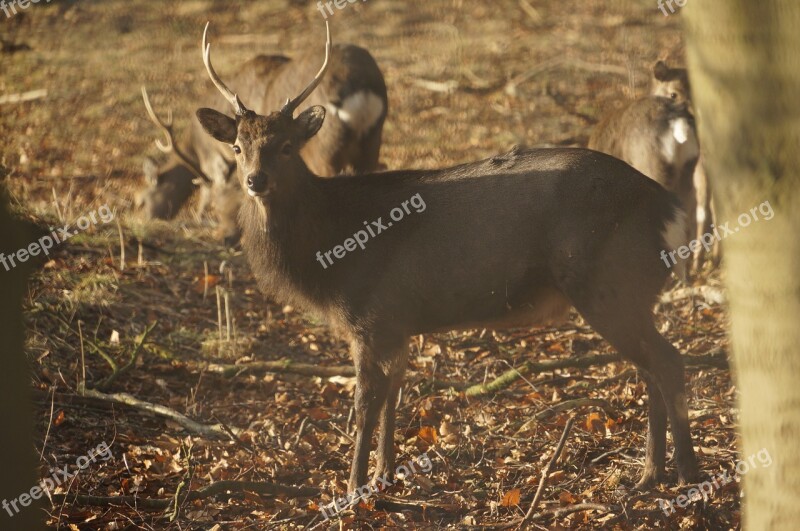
(286, 148)
(674, 95)
(237, 149)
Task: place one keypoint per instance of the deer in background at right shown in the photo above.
(673, 83)
(657, 135)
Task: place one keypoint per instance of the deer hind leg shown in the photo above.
(668, 369)
(617, 303)
(636, 339)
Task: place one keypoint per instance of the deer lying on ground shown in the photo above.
(514, 240)
(673, 83)
(355, 96)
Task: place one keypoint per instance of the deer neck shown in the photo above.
(281, 232)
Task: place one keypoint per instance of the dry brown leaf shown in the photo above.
(206, 282)
(566, 498)
(428, 434)
(317, 413)
(594, 423)
(511, 498)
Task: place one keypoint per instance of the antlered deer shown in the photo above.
(514, 240)
(355, 96)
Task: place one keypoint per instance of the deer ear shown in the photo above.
(660, 71)
(308, 122)
(216, 124)
(150, 169)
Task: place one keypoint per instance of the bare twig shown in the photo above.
(568, 405)
(710, 294)
(578, 507)
(715, 358)
(23, 96)
(546, 472)
(195, 427)
(285, 366)
(220, 487)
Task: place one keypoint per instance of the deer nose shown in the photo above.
(256, 184)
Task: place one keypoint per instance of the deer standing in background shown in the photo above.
(513, 240)
(673, 83)
(354, 95)
(656, 134)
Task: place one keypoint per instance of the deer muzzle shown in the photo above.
(256, 184)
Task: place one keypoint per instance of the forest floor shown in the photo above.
(466, 80)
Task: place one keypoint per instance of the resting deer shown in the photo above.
(355, 94)
(513, 240)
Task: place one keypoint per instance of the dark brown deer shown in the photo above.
(514, 240)
(354, 94)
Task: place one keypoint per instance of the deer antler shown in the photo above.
(229, 95)
(170, 145)
(291, 105)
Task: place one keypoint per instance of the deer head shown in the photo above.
(266, 148)
(671, 83)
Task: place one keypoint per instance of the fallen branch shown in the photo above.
(546, 472)
(578, 507)
(220, 487)
(567, 405)
(205, 430)
(282, 366)
(711, 295)
(23, 96)
(716, 358)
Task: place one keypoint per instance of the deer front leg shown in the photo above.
(372, 389)
(385, 461)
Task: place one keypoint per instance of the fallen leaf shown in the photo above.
(428, 434)
(566, 498)
(594, 423)
(206, 282)
(511, 498)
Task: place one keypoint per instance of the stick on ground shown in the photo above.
(546, 472)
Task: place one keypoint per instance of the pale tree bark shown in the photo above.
(744, 63)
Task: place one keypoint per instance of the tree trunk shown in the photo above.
(744, 63)
(17, 458)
